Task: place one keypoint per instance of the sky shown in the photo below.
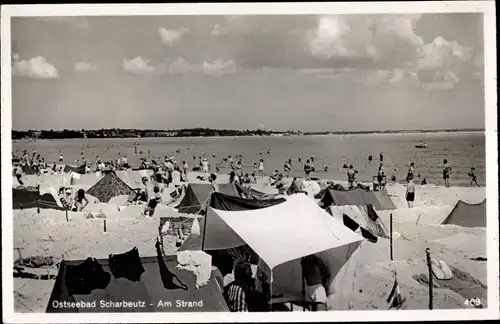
(286, 72)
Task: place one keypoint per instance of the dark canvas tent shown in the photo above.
(354, 197)
(27, 197)
(70, 168)
(467, 215)
(198, 194)
(150, 289)
(218, 234)
(110, 186)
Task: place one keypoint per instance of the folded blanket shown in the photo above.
(199, 263)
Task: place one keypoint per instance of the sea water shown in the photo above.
(462, 150)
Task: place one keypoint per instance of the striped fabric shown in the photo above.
(236, 299)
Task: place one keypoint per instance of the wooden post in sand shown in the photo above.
(38, 200)
(429, 265)
(390, 226)
(104, 225)
(67, 219)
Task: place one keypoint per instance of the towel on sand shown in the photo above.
(199, 263)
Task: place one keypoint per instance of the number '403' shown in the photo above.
(472, 302)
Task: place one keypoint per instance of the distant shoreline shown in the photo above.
(17, 135)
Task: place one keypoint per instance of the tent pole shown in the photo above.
(427, 251)
(204, 230)
(392, 259)
(303, 289)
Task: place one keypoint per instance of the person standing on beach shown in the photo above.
(446, 173)
(381, 157)
(411, 171)
(351, 176)
(239, 170)
(307, 169)
(410, 192)
(287, 169)
(261, 168)
(473, 178)
(61, 158)
(380, 175)
(204, 165)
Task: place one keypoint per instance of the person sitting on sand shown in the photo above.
(473, 178)
(410, 192)
(246, 178)
(143, 192)
(153, 202)
(80, 201)
(314, 272)
(351, 176)
(446, 173)
(18, 173)
(393, 177)
(253, 178)
(232, 177)
(236, 292)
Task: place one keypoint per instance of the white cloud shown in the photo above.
(393, 77)
(138, 65)
(169, 37)
(442, 53)
(361, 36)
(36, 68)
(84, 67)
(219, 67)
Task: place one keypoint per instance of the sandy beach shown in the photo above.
(415, 229)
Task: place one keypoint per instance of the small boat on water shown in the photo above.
(421, 145)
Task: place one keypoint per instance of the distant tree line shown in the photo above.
(191, 132)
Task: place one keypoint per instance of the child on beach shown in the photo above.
(473, 178)
(446, 173)
(410, 192)
(261, 168)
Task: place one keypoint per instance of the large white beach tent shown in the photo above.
(293, 229)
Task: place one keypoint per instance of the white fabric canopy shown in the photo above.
(293, 229)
